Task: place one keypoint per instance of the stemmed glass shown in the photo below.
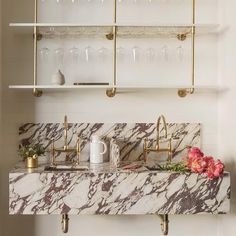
(136, 54)
(150, 55)
(89, 53)
(180, 53)
(103, 54)
(165, 53)
(59, 57)
(44, 54)
(74, 54)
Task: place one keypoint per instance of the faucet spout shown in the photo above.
(157, 148)
(65, 133)
(163, 119)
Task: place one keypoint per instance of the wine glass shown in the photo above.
(74, 54)
(136, 54)
(89, 53)
(180, 53)
(165, 53)
(59, 56)
(103, 54)
(121, 54)
(150, 55)
(44, 54)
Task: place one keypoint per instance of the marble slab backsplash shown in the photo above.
(129, 136)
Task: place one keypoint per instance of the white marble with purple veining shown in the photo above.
(129, 136)
(105, 190)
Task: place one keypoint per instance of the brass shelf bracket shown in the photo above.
(184, 92)
(110, 36)
(39, 36)
(37, 92)
(182, 37)
(65, 223)
(164, 224)
(111, 92)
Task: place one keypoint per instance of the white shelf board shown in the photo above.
(109, 24)
(68, 87)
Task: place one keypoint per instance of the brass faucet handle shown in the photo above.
(52, 159)
(65, 122)
(145, 149)
(78, 149)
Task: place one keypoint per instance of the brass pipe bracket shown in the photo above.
(182, 37)
(111, 92)
(164, 224)
(65, 223)
(37, 93)
(110, 36)
(184, 92)
(38, 36)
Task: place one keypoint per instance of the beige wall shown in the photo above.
(80, 106)
(1, 157)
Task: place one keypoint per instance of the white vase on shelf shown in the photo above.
(58, 78)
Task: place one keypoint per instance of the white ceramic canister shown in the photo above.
(97, 150)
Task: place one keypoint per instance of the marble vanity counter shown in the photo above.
(105, 190)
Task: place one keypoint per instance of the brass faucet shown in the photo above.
(66, 148)
(157, 148)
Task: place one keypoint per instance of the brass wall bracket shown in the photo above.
(181, 37)
(65, 223)
(110, 36)
(111, 92)
(164, 224)
(37, 93)
(39, 36)
(184, 92)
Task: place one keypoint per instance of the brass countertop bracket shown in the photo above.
(164, 224)
(65, 223)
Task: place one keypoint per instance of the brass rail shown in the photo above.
(36, 92)
(112, 92)
(184, 92)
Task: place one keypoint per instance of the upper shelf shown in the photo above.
(69, 87)
(51, 30)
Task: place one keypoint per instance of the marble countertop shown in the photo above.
(107, 190)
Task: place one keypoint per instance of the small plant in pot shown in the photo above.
(30, 154)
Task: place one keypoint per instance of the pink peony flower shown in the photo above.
(214, 169)
(195, 152)
(198, 165)
(194, 156)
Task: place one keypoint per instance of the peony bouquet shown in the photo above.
(197, 162)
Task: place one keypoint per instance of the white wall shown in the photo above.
(94, 106)
(1, 216)
(227, 110)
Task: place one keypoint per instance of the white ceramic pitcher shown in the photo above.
(97, 149)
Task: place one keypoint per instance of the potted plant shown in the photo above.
(30, 154)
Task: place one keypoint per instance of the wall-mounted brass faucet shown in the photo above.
(66, 148)
(157, 148)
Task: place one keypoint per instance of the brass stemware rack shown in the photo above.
(111, 32)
